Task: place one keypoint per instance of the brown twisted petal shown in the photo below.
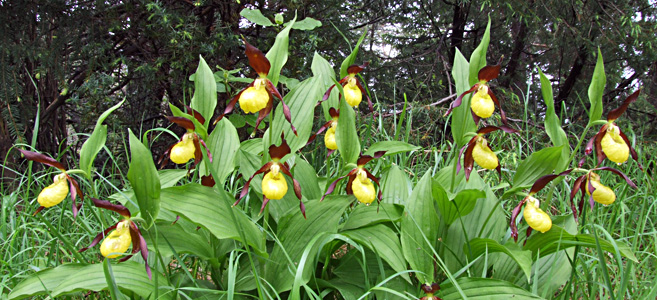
(257, 59)
(489, 73)
(38, 157)
(616, 113)
(117, 208)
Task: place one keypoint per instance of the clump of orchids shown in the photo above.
(189, 146)
(477, 150)
(353, 90)
(483, 101)
(329, 136)
(121, 236)
(258, 97)
(58, 190)
(360, 181)
(274, 186)
(610, 142)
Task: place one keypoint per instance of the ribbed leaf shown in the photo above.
(462, 204)
(212, 209)
(351, 59)
(485, 289)
(183, 240)
(596, 89)
(72, 278)
(395, 186)
(255, 16)
(205, 91)
(462, 121)
(384, 242)
(391, 147)
(419, 222)
(145, 181)
(96, 141)
(323, 70)
(307, 177)
(364, 215)
(553, 124)
(533, 167)
(481, 246)
(223, 143)
(346, 135)
(278, 53)
(295, 233)
(478, 57)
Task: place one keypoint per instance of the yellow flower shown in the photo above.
(601, 193)
(184, 150)
(614, 146)
(255, 98)
(483, 155)
(54, 193)
(352, 92)
(329, 138)
(274, 185)
(535, 217)
(118, 241)
(482, 104)
(363, 188)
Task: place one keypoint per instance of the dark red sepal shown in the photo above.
(468, 160)
(616, 113)
(182, 122)
(286, 110)
(75, 190)
(117, 208)
(362, 91)
(499, 105)
(577, 187)
(265, 200)
(619, 173)
(278, 152)
(257, 59)
(208, 181)
(591, 190)
(364, 159)
(514, 216)
(334, 113)
(297, 187)
(633, 153)
(264, 112)
(331, 187)
(355, 69)
(459, 99)
(99, 237)
(41, 158)
(489, 73)
(143, 248)
(245, 189)
(544, 180)
(194, 113)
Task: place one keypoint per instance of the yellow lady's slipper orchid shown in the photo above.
(184, 150)
(274, 186)
(254, 98)
(118, 241)
(482, 104)
(329, 139)
(535, 217)
(601, 193)
(614, 146)
(352, 93)
(483, 155)
(363, 188)
(54, 193)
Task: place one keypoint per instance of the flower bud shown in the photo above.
(535, 217)
(274, 186)
(184, 150)
(601, 193)
(254, 98)
(363, 188)
(482, 104)
(54, 193)
(118, 241)
(352, 93)
(614, 146)
(483, 155)
(329, 139)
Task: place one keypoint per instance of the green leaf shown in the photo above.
(323, 71)
(384, 242)
(307, 177)
(536, 165)
(301, 100)
(72, 278)
(111, 281)
(391, 147)
(461, 205)
(559, 238)
(484, 289)
(462, 121)
(346, 135)
(144, 180)
(255, 16)
(278, 53)
(183, 240)
(96, 141)
(295, 232)
(395, 186)
(223, 143)
(481, 246)
(351, 59)
(478, 57)
(364, 215)
(211, 209)
(306, 24)
(420, 222)
(553, 124)
(596, 89)
(205, 92)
